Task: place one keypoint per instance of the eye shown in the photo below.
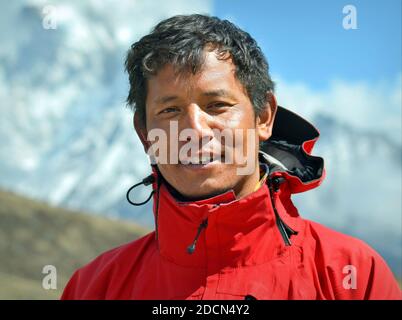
(168, 110)
(218, 105)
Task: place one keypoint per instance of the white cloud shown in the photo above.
(365, 105)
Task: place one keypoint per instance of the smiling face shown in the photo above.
(210, 101)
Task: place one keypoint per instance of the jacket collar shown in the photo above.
(228, 231)
(290, 145)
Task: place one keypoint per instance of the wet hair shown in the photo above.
(181, 41)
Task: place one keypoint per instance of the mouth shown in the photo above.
(201, 162)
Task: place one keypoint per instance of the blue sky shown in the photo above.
(304, 41)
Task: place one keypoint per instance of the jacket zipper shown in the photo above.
(285, 231)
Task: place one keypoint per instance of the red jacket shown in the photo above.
(254, 247)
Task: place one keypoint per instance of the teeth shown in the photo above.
(206, 159)
(197, 160)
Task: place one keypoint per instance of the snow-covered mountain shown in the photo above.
(67, 138)
(66, 135)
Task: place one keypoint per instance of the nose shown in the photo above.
(198, 121)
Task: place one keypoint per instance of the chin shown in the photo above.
(207, 192)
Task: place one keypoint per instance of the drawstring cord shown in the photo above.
(146, 182)
(191, 247)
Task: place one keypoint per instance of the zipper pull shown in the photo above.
(203, 224)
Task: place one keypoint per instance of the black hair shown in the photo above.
(181, 41)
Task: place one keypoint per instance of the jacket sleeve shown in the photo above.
(380, 281)
(373, 279)
(69, 292)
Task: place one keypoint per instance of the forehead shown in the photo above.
(214, 74)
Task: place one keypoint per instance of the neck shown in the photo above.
(247, 185)
(241, 189)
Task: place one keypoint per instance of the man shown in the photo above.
(223, 230)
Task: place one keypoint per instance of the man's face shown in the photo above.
(211, 100)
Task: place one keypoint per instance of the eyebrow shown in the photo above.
(165, 99)
(212, 93)
(218, 93)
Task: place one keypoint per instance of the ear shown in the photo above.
(265, 121)
(141, 130)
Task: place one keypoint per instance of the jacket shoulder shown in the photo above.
(354, 269)
(90, 281)
(339, 243)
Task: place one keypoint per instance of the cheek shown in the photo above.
(242, 126)
(232, 122)
(236, 118)
(160, 131)
(159, 144)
